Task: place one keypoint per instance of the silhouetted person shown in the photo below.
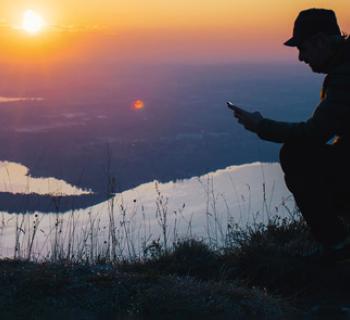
(315, 153)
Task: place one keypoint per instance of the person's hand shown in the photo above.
(250, 120)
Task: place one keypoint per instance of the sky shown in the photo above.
(156, 31)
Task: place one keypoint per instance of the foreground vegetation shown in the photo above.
(258, 274)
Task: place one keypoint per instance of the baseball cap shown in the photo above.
(311, 22)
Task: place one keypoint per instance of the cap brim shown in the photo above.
(292, 42)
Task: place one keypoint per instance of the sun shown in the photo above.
(32, 22)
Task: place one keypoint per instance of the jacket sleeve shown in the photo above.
(329, 119)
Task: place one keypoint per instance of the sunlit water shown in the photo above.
(15, 178)
(205, 207)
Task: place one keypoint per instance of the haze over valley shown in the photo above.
(80, 124)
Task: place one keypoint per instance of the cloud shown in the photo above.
(69, 28)
(45, 128)
(19, 99)
(78, 28)
(4, 24)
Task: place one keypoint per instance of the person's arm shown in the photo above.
(330, 117)
(315, 128)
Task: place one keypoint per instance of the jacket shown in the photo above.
(330, 120)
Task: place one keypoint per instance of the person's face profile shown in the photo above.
(315, 52)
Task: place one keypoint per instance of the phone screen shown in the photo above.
(230, 105)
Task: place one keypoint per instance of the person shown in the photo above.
(315, 153)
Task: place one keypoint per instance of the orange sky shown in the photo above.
(156, 30)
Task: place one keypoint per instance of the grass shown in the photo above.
(177, 284)
(259, 274)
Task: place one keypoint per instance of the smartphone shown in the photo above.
(230, 105)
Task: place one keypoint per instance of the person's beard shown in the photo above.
(318, 68)
(322, 66)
